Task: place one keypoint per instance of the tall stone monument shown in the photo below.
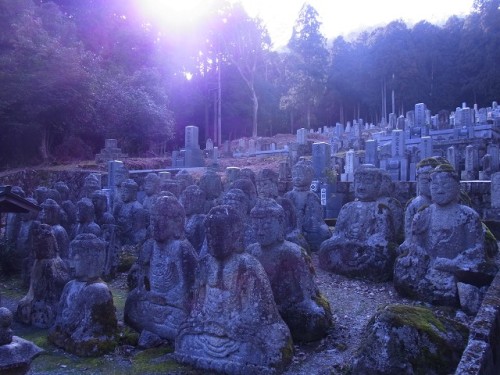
(193, 154)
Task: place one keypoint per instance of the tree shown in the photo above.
(44, 82)
(306, 64)
(245, 40)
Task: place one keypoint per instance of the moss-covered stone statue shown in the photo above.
(86, 323)
(234, 326)
(160, 301)
(16, 353)
(403, 339)
(444, 261)
(49, 275)
(291, 273)
(363, 243)
(307, 206)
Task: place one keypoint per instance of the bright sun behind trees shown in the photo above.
(74, 72)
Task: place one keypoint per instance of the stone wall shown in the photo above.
(482, 354)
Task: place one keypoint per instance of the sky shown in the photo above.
(338, 17)
(342, 17)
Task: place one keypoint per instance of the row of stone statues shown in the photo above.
(225, 271)
(445, 258)
(230, 310)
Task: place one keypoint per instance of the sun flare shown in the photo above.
(175, 14)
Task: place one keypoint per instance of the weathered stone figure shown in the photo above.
(161, 300)
(362, 244)
(151, 188)
(16, 353)
(193, 200)
(102, 212)
(24, 243)
(234, 326)
(248, 187)
(444, 261)
(13, 220)
(386, 198)
(86, 323)
(68, 220)
(238, 200)
(404, 339)
(306, 312)
(423, 198)
(211, 183)
(267, 187)
(51, 215)
(184, 179)
(247, 173)
(91, 183)
(108, 226)
(129, 216)
(49, 274)
(42, 193)
(231, 175)
(85, 219)
(307, 206)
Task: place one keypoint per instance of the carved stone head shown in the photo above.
(223, 228)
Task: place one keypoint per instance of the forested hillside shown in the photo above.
(74, 72)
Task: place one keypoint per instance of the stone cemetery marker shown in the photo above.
(371, 152)
(302, 136)
(495, 190)
(398, 144)
(209, 145)
(320, 159)
(425, 147)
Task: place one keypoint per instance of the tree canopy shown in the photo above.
(74, 72)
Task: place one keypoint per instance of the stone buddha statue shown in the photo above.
(291, 273)
(444, 261)
(362, 245)
(307, 206)
(161, 300)
(234, 326)
(86, 323)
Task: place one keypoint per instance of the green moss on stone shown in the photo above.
(321, 300)
(426, 322)
(421, 318)
(128, 336)
(156, 361)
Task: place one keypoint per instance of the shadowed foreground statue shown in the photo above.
(86, 323)
(49, 275)
(307, 206)
(291, 273)
(362, 244)
(234, 326)
(16, 353)
(165, 275)
(444, 261)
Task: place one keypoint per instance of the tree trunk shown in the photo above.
(44, 143)
(255, 109)
(308, 116)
